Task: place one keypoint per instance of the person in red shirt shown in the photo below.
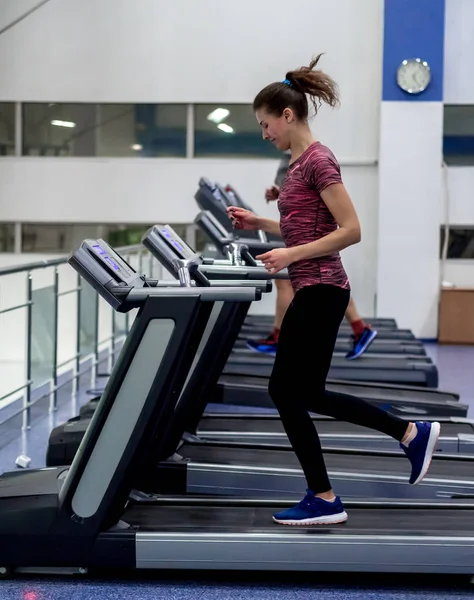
(362, 333)
(317, 221)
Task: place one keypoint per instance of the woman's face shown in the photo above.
(276, 129)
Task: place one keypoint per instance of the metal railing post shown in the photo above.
(95, 358)
(112, 344)
(27, 393)
(77, 362)
(54, 382)
(150, 263)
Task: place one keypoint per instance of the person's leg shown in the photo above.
(288, 381)
(298, 381)
(285, 295)
(363, 334)
(297, 385)
(352, 314)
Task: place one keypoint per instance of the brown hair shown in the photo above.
(292, 93)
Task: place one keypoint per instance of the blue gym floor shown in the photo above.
(456, 372)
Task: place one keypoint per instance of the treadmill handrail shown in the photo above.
(211, 294)
(242, 271)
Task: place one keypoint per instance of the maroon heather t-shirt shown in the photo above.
(304, 217)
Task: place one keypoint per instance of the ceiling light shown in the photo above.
(218, 115)
(136, 147)
(59, 123)
(226, 128)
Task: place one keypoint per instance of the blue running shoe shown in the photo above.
(267, 345)
(361, 343)
(421, 449)
(313, 511)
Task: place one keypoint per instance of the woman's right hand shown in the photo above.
(272, 193)
(242, 218)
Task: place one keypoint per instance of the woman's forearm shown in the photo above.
(269, 225)
(333, 242)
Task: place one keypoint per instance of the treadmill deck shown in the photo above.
(406, 539)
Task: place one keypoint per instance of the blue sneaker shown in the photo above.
(361, 343)
(267, 345)
(421, 449)
(313, 511)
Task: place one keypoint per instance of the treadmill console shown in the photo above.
(213, 229)
(213, 198)
(167, 247)
(107, 272)
(209, 195)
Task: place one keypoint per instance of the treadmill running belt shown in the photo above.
(411, 520)
(364, 391)
(349, 461)
(323, 426)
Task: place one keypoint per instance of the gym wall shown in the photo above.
(206, 51)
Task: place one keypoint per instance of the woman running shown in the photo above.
(317, 221)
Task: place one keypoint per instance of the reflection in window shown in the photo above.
(112, 130)
(125, 235)
(460, 242)
(229, 130)
(458, 134)
(7, 129)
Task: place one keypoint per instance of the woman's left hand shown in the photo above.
(276, 260)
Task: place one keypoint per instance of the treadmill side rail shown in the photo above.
(295, 552)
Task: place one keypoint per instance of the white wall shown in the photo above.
(148, 191)
(13, 9)
(459, 273)
(104, 51)
(459, 52)
(206, 51)
(461, 196)
(458, 209)
(410, 209)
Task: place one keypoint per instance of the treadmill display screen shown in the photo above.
(106, 257)
(165, 233)
(124, 271)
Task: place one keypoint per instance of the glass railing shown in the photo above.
(58, 337)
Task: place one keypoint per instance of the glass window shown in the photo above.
(57, 238)
(7, 129)
(7, 237)
(458, 134)
(460, 243)
(229, 130)
(112, 130)
(62, 238)
(125, 235)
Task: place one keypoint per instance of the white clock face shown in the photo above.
(414, 75)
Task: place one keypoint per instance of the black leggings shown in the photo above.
(298, 381)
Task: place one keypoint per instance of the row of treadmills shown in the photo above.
(146, 478)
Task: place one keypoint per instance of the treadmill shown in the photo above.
(203, 466)
(406, 370)
(239, 385)
(222, 237)
(70, 520)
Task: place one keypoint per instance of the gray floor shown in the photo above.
(456, 369)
